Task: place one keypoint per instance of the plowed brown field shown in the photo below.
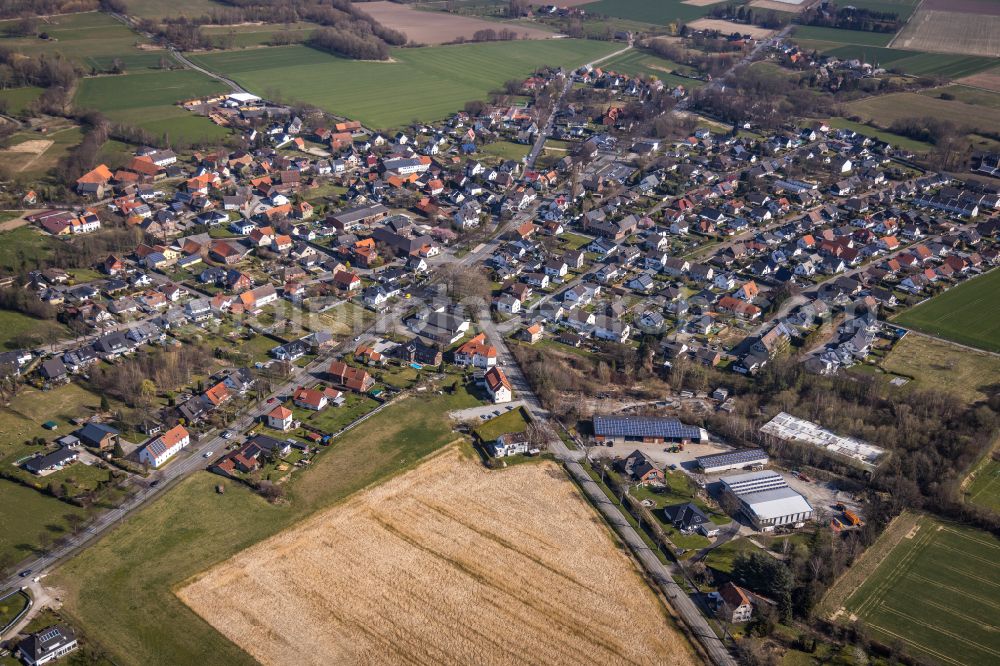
(447, 564)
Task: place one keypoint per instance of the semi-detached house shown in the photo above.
(160, 449)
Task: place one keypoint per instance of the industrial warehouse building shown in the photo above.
(648, 430)
(723, 462)
(766, 500)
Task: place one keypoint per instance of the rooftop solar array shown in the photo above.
(642, 426)
(741, 457)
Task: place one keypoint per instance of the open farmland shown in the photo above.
(449, 564)
(93, 39)
(149, 100)
(931, 586)
(659, 12)
(947, 66)
(988, 80)
(642, 63)
(829, 37)
(984, 487)
(967, 94)
(257, 34)
(729, 27)
(937, 365)
(429, 27)
(968, 313)
(952, 32)
(883, 110)
(121, 589)
(159, 9)
(424, 83)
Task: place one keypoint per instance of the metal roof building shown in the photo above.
(766, 500)
(721, 462)
(644, 429)
(753, 482)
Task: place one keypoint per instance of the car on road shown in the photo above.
(207, 454)
(271, 401)
(155, 483)
(25, 573)
(227, 434)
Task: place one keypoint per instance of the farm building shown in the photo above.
(620, 429)
(792, 429)
(766, 500)
(723, 462)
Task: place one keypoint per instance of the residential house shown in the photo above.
(160, 449)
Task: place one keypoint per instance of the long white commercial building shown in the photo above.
(766, 500)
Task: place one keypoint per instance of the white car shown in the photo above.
(207, 454)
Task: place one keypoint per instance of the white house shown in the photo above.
(280, 418)
(164, 447)
(498, 386)
(510, 444)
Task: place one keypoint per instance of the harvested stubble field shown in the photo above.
(429, 27)
(951, 32)
(729, 27)
(448, 564)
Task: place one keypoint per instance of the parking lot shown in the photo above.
(489, 411)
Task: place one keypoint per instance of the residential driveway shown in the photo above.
(476, 413)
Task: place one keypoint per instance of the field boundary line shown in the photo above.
(918, 646)
(844, 586)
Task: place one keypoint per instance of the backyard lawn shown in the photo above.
(516, 420)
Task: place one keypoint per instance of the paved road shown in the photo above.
(662, 574)
(546, 130)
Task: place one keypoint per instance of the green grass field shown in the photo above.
(148, 100)
(968, 313)
(837, 36)
(158, 9)
(984, 489)
(18, 99)
(421, 84)
(245, 36)
(936, 365)
(968, 95)
(120, 591)
(22, 249)
(936, 592)
(504, 150)
(659, 12)
(513, 421)
(93, 39)
(883, 110)
(19, 330)
(26, 515)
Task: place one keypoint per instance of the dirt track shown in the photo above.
(448, 564)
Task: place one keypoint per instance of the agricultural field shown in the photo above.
(158, 9)
(931, 588)
(256, 34)
(968, 26)
(936, 365)
(832, 36)
(430, 27)
(660, 12)
(120, 590)
(93, 39)
(917, 63)
(984, 488)
(883, 110)
(476, 550)
(987, 80)
(967, 95)
(149, 100)
(968, 314)
(423, 84)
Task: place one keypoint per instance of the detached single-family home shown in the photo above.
(498, 386)
(280, 418)
(160, 449)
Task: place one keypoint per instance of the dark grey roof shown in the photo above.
(744, 456)
(638, 426)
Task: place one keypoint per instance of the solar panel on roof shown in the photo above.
(638, 426)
